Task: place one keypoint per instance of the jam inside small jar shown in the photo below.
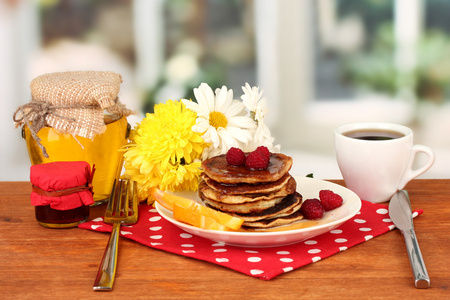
(61, 193)
(52, 218)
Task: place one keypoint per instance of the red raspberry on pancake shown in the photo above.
(257, 160)
(235, 157)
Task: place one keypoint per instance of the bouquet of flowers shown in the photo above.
(168, 146)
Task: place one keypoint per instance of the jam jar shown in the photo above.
(61, 193)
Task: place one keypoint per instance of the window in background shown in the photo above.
(204, 41)
(345, 29)
(163, 49)
(337, 61)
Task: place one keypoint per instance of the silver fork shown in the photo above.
(121, 209)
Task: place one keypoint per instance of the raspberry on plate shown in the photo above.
(312, 209)
(264, 150)
(256, 160)
(235, 157)
(330, 200)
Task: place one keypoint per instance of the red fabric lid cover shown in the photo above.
(59, 176)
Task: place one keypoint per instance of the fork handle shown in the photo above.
(107, 270)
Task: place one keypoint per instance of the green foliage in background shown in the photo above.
(376, 70)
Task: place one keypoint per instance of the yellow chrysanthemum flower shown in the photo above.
(165, 152)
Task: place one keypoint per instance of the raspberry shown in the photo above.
(264, 150)
(256, 160)
(330, 200)
(312, 209)
(235, 157)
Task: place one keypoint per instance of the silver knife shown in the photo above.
(401, 214)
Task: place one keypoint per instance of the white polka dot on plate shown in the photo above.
(221, 260)
(187, 245)
(155, 219)
(288, 269)
(155, 228)
(186, 235)
(368, 237)
(360, 221)
(254, 259)
(336, 231)
(387, 220)
(283, 252)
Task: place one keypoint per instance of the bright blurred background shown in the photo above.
(320, 63)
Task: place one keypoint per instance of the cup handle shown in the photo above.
(410, 174)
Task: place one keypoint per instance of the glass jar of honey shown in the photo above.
(104, 151)
(77, 116)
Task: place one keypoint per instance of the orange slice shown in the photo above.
(185, 215)
(169, 200)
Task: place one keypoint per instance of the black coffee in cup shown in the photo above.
(373, 134)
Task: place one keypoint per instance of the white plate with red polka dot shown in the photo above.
(282, 235)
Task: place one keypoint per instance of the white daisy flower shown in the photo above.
(221, 119)
(253, 101)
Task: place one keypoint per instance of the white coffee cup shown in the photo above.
(376, 169)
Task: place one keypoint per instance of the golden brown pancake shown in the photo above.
(282, 191)
(268, 223)
(219, 170)
(242, 208)
(289, 204)
(245, 188)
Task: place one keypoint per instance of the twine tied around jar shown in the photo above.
(72, 102)
(34, 114)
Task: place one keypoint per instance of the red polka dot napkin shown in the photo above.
(265, 263)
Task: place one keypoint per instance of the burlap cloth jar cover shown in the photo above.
(71, 102)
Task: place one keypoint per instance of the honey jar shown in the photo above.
(77, 116)
(103, 151)
(61, 193)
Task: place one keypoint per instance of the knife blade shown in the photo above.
(401, 214)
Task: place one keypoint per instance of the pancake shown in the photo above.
(288, 205)
(245, 188)
(252, 196)
(219, 170)
(242, 208)
(268, 223)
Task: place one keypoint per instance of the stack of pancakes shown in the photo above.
(262, 198)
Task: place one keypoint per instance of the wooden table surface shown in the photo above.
(41, 263)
